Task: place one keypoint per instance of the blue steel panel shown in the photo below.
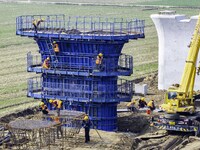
(103, 116)
(94, 88)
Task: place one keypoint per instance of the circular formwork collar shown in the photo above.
(27, 124)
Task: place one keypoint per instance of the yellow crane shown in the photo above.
(180, 97)
(180, 100)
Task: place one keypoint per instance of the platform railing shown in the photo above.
(81, 25)
(103, 93)
(123, 63)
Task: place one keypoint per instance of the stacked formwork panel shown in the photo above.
(73, 76)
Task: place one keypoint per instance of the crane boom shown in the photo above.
(179, 97)
(188, 77)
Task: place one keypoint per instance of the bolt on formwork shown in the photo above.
(72, 73)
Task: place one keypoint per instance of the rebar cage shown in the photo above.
(45, 131)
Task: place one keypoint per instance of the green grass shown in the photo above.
(188, 3)
(13, 49)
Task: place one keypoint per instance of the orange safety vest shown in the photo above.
(99, 60)
(46, 64)
(56, 48)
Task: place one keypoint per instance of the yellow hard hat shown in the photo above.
(86, 117)
(50, 101)
(42, 19)
(48, 58)
(41, 103)
(100, 54)
(54, 42)
(142, 98)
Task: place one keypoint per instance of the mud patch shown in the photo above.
(133, 122)
(24, 113)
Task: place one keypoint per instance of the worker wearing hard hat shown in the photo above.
(55, 47)
(36, 23)
(151, 105)
(87, 124)
(142, 103)
(57, 104)
(131, 105)
(46, 63)
(99, 60)
(43, 108)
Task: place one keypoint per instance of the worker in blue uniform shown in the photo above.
(87, 124)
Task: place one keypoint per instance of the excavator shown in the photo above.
(181, 101)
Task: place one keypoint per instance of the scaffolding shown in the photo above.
(74, 74)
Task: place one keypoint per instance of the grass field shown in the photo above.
(188, 3)
(179, 3)
(13, 49)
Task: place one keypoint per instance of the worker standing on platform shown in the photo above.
(57, 104)
(55, 47)
(99, 60)
(43, 108)
(46, 63)
(131, 105)
(151, 105)
(142, 103)
(36, 23)
(87, 124)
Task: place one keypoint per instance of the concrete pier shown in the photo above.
(174, 35)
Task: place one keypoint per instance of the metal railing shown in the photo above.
(84, 91)
(81, 25)
(123, 63)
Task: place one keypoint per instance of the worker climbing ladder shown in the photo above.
(52, 53)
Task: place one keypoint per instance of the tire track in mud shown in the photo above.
(168, 142)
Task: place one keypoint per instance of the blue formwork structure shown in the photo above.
(73, 76)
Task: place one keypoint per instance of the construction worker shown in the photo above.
(55, 47)
(131, 105)
(43, 108)
(99, 60)
(56, 119)
(151, 105)
(46, 63)
(87, 124)
(36, 23)
(57, 104)
(142, 103)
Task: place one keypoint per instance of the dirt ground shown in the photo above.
(134, 132)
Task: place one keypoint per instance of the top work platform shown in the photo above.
(89, 28)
